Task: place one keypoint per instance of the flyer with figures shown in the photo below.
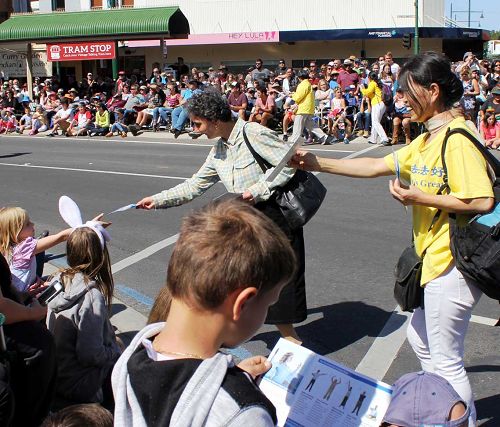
(310, 390)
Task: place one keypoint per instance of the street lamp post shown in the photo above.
(416, 45)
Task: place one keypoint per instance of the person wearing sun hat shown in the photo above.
(425, 399)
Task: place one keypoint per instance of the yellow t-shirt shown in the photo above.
(468, 178)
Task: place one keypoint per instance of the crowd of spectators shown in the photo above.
(353, 98)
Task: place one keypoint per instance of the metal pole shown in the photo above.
(29, 70)
(468, 20)
(416, 39)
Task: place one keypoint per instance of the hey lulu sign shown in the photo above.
(85, 51)
(226, 38)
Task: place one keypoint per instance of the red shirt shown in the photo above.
(346, 79)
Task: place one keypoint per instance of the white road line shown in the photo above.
(385, 347)
(483, 320)
(180, 178)
(145, 253)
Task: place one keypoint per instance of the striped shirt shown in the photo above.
(232, 163)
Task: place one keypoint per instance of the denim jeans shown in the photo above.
(437, 332)
(162, 112)
(179, 118)
(365, 121)
(118, 127)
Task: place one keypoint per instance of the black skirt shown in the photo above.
(291, 306)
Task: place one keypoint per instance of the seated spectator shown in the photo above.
(32, 371)
(260, 72)
(289, 82)
(179, 114)
(264, 108)
(425, 399)
(333, 84)
(323, 95)
(79, 124)
(490, 130)
(119, 125)
(492, 102)
(79, 319)
(40, 122)
(87, 415)
(62, 118)
(238, 102)
(133, 100)
(400, 117)
(156, 99)
(25, 122)
(8, 122)
(250, 93)
(363, 118)
(173, 100)
(51, 106)
(348, 76)
(168, 372)
(100, 126)
(337, 108)
(290, 108)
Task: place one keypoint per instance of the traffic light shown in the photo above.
(407, 40)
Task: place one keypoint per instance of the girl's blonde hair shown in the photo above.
(12, 221)
(85, 255)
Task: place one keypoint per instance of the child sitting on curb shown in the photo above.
(228, 266)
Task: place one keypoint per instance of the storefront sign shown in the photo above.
(81, 51)
(14, 64)
(222, 38)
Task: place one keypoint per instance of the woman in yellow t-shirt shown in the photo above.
(374, 93)
(436, 332)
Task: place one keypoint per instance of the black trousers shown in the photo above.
(292, 305)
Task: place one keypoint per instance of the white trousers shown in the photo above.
(378, 111)
(437, 332)
(305, 121)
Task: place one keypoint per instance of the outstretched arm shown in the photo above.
(365, 167)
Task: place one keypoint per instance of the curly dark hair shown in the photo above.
(210, 105)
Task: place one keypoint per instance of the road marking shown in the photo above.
(136, 295)
(145, 253)
(142, 175)
(483, 320)
(385, 347)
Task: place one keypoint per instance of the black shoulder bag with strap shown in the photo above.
(300, 198)
(475, 246)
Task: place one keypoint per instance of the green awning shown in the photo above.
(110, 24)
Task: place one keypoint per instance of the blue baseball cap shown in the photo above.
(424, 399)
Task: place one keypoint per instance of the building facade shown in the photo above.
(235, 33)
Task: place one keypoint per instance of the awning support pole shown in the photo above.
(29, 69)
(114, 63)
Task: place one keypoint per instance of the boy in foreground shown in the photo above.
(228, 266)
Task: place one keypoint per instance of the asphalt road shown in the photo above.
(352, 245)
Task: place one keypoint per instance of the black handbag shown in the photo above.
(476, 247)
(300, 198)
(407, 290)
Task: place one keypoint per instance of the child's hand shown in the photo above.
(98, 219)
(255, 366)
(36, 288)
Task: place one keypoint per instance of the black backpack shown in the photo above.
(476, 247)
(387, 97)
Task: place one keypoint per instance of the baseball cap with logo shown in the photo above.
(424, 399)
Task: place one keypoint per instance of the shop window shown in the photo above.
(96, 4)
(58, 4)
(127, 3)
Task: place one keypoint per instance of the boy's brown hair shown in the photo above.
(223, 247)
(88, 415)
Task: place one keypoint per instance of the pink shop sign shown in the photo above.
(226, 38)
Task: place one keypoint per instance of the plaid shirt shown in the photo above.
(232, 163)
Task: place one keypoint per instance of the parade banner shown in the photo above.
(84, 51)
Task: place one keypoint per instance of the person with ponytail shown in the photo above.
(373, 91)
(437, 331)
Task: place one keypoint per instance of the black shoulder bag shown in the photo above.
(300, 198)
(475, 246)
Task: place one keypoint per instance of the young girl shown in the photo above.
(8, 122)
(19, 247)
(119, 125)
(79, 319)
(25, 121)
(39, 121)
(490, 130)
